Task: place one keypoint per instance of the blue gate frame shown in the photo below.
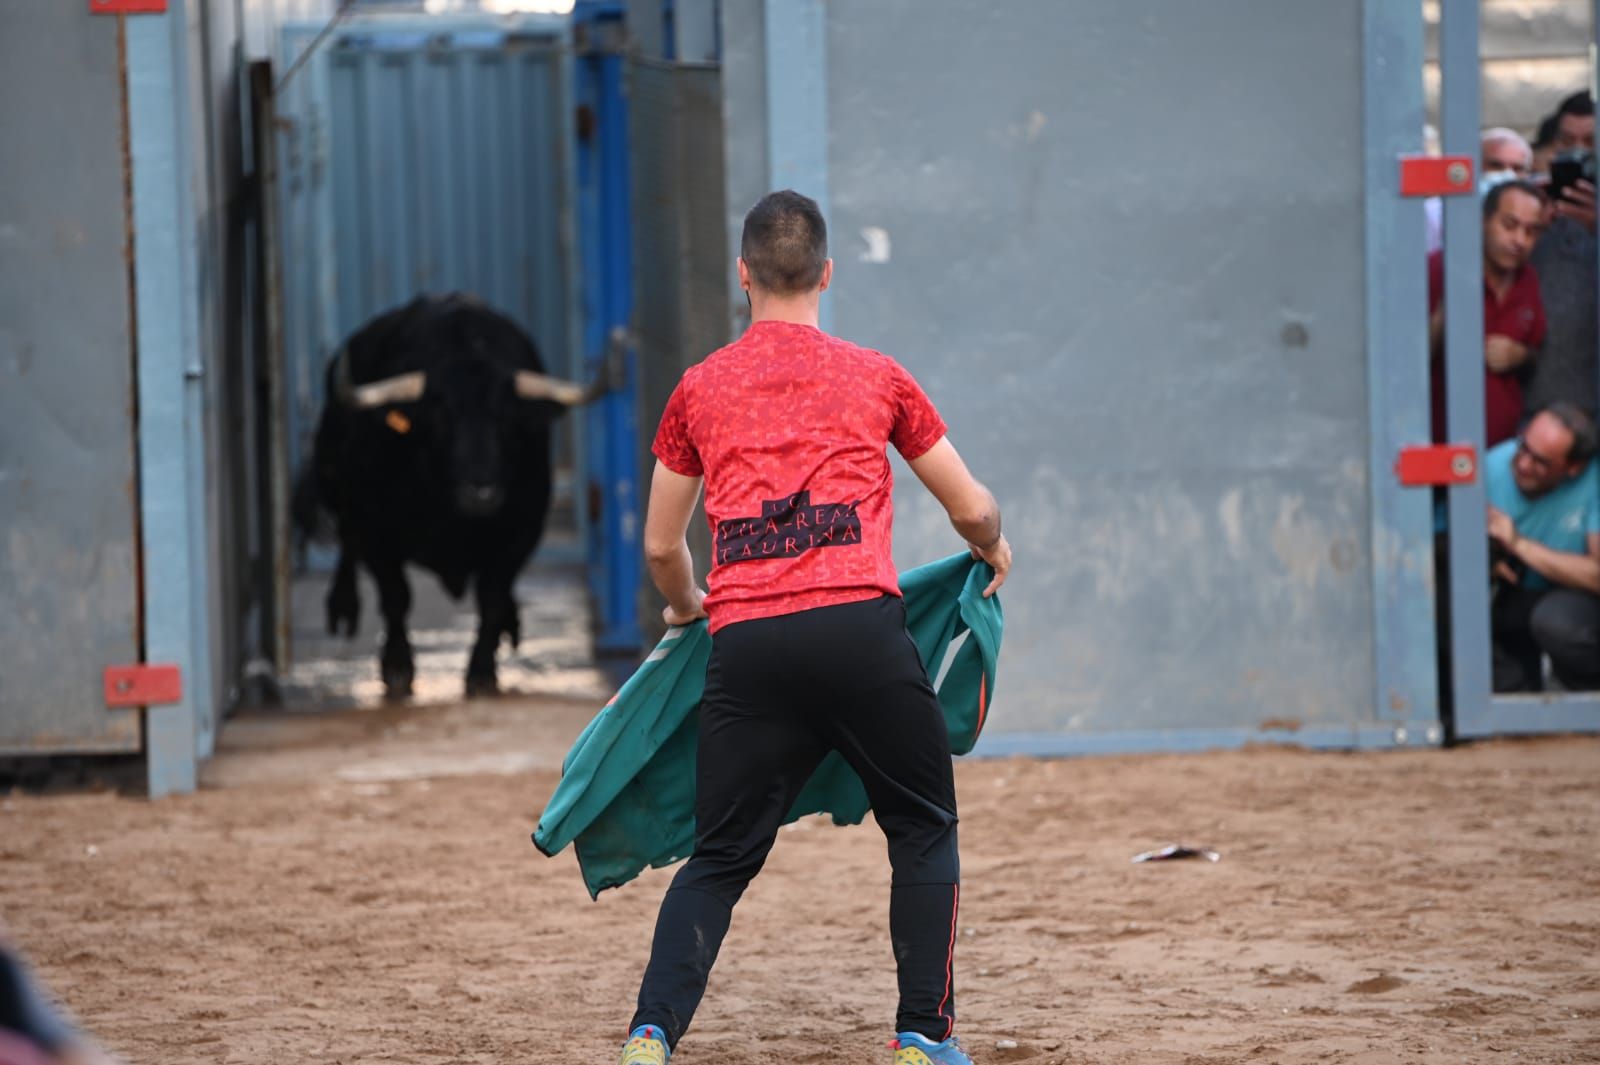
(606, 246)
(1478, 712)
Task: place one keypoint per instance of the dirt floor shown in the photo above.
(358, 886)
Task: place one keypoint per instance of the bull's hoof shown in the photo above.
(479, 687)
(397, 684)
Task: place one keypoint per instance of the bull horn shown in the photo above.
(401, 388)
(530, 385)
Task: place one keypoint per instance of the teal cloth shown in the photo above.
(626, 795)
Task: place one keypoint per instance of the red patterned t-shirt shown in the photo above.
(789, 426)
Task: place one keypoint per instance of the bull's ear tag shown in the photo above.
(398, 422)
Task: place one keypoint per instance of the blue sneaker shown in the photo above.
(913, 1049)
(647, 1045)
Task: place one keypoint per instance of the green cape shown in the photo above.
(626, 796)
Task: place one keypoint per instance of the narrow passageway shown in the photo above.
(334, 723)
(554, 658)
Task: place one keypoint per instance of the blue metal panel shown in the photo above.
(68, 498)
(1156, 358)
(797, 106)
(747, 177)
(615, 572)
(1422, 732)
(695, 31)
(156, 104)
(1463, 301)
(1478, 711)
(1532, 715)
(647, 28)
(1403, 638)
(428, 155)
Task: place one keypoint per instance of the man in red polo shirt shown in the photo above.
(788, 428)
(1513, 314)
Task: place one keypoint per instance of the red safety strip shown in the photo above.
(949, 963)
(1437, 464)
(1443, 175)
(127, 7)
(142, 685)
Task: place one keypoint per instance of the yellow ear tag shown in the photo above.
(398, 422)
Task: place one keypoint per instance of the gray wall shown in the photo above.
(68, 501)
(1125, 259)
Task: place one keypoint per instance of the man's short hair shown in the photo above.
(785, 243)
(1492, 198)
(1497, 134)
(1579, 103)
(1579, 424)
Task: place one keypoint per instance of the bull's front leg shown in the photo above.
(394, 599)
(497, 616)
(344, 600)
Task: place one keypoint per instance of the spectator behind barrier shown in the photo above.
(1565, 261)
(1505, 156)
(1574, 128)
(1504, 152)
(1571, 166)
(1513, 314)
(1544, 535)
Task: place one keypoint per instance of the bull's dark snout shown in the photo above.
(479, 500)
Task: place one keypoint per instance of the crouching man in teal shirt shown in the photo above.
(1544, 532)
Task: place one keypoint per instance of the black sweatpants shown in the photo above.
(780, 694)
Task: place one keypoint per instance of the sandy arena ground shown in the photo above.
(358, 886)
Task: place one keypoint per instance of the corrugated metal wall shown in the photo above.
(426, 156)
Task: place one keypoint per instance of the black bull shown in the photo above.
(434, 449)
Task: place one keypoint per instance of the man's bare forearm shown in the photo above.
(981, 525)
(1559, 567)
(1501, 354)
(673, 573)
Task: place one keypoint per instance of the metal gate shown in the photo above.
(1477, 710)
(680, 254)
(424, 154)
(68, 491)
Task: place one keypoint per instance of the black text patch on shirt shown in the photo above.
(787, 527)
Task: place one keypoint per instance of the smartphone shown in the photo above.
(1565, 171)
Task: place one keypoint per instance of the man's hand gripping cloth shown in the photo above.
(626, 796)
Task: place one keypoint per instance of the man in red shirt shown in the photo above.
(1513, 313)
(788, 428)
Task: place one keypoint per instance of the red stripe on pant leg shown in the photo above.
(949, 962)
(983, 703)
